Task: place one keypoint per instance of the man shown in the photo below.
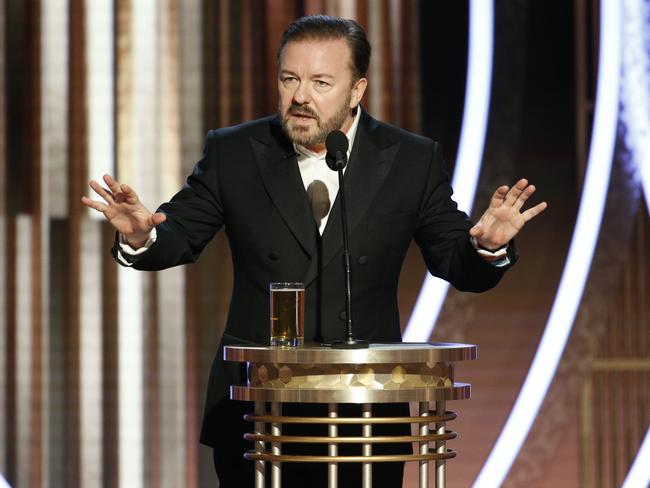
(266, 181)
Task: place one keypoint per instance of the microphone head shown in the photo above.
(336, 141)
(337, 149)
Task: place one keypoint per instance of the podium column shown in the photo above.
(383, 373)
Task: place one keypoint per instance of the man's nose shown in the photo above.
(301, 94)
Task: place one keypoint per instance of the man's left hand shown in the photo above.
(504, 219)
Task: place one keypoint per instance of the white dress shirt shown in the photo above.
(313, 167)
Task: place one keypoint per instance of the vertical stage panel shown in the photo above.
(77, 181)
(100, 159)
(171, 371)
(90, 351)
(99, 60)
(130, 379)
(110, 391)
(375, 71)
(23, 347)
(3, 254)
(56, 396)
(54, 93)
(97, 406)
(54, 60)
(130, 408)
(346, 8)
(169, 297)
(279, 15)
(191, 140)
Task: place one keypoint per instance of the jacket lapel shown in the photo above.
(370, 162)
(278, 167)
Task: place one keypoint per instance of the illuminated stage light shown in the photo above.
(639, 474)
(635, 86)
(635, 115)
(470, 153)
(579, 259)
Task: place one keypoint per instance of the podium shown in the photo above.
(382, 373)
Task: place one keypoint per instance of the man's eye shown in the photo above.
(321, 84)
(288, 79)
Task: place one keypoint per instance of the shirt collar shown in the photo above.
(351, 135)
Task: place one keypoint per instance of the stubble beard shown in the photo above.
(306, 135)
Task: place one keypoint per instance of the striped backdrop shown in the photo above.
(104, 368)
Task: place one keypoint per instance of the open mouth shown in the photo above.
(300, 116)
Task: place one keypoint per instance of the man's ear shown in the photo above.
(358, 89)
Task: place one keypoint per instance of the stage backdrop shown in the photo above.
(103, 369)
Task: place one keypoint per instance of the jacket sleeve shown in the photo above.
(442, 234)
(194, 215)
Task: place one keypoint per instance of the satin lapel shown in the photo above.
(279, 171)
(367, 169)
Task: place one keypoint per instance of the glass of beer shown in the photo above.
(287, 314)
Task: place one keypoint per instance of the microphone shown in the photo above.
(336, 159)
(337, 150)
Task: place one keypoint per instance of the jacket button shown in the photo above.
(274, 256)
(363, 260)
(342, 315)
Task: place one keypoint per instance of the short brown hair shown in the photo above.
(322, 27)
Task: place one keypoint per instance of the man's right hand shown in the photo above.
(123, 209)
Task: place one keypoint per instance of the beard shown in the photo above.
(308, 135)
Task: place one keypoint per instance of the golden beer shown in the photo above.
(287, 314)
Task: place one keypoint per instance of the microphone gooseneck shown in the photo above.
(336, 159)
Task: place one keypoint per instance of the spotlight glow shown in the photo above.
(470, 154)
(578, 261)
(635, 86)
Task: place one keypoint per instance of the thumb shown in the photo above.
(476, 231)
(158, 218)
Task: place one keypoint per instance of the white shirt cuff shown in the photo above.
(498, 258)
(126, 249)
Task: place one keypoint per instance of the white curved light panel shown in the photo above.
(635, 85)
(635, 114)
(639, 474)
(468, 161)
(579, 259)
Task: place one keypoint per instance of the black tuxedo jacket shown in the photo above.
(397, 189)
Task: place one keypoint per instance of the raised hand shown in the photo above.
(504, 219)
(123, 209)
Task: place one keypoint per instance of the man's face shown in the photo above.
(316, 90)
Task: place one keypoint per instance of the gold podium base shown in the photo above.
(383, 373)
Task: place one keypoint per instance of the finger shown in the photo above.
(129, 193)
(515, 191)
(113, 185)
(499, 196)
(534, 211)
(95, 205)
(525, 195)
(127, 189)
(101, 191)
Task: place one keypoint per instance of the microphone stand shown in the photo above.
(350, 342)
